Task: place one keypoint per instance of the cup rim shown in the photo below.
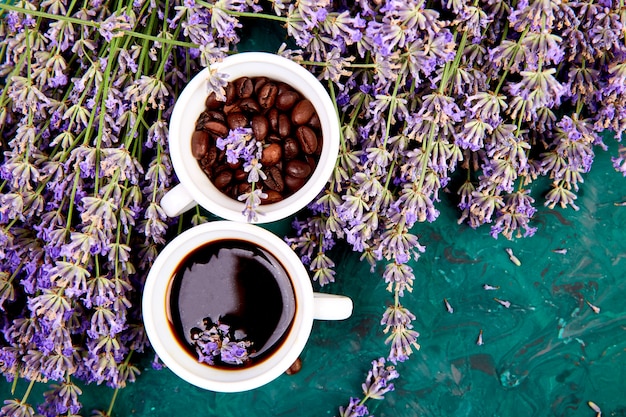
(176, 357)
(185, 114)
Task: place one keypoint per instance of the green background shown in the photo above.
(546, 355)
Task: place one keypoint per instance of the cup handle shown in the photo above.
(331, 307)
(177, 201)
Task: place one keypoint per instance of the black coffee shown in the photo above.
(239, 284)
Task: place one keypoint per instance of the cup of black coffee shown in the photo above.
(237, 276)
(289, 112)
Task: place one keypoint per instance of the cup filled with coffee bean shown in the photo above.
(228, 306)
(256, 149)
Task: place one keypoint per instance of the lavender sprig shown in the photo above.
(376, 385)
(240, 146)
(217, 343)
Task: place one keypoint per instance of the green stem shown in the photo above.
(14, 384)
(333, 97)
(117, 390)
(112, 403)
(104, 88)
(70, 209)
(27, 393)
(348, 64)
(393, 105)
(428, 147)
(9, 78)
(579, 102)
(450, 68)
(245, 14)
(506, 70)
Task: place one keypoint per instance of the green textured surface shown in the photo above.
(548, 354)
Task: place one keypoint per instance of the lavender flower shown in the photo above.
(378, 380)
(354, 409)
(218, 344)
(61, 399)
(376, 385)
(16, 408)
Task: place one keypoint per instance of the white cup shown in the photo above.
(158, 322)
(196, 188)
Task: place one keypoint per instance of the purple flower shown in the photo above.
(238, 144)
(619, 162)
(354, 409)
(17, 408)
(114, 26)
(396, 315)
(252, 200)
(225, 24)
(61, 399)
(218, 344)
(515, 216)
(322, 268)
(378, 381)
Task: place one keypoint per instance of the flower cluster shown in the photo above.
(218, 344)
(376, 385)
(86, 93)
(475, 99)
(240, 146)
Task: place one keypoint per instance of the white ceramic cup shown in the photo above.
(309, 306)
(196, 188)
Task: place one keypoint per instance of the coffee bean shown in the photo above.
(209, 158)
(315, 123)
(231, 191)
(223, 179)
(199, 144)
(272, 118)
(234, 165)
(260, 127)
(272, 197)
(271, 155)
(217, 128)
(230, 93)
(244, 87)
(285, 101)
(282, 87)
(274, 180)
(307, 139)
(240, 175)
(243, 187)
(267, 95)
(236, 120)
(291, 149)
(212, 103)
(273, 139)
(302, 112)
(249, 105)
(284, 125)
(201, 120)
(293, 183)
(297, 169)
(233, 107)
(295, 367)
(207, 170)
(215, 115)
(259, 82)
